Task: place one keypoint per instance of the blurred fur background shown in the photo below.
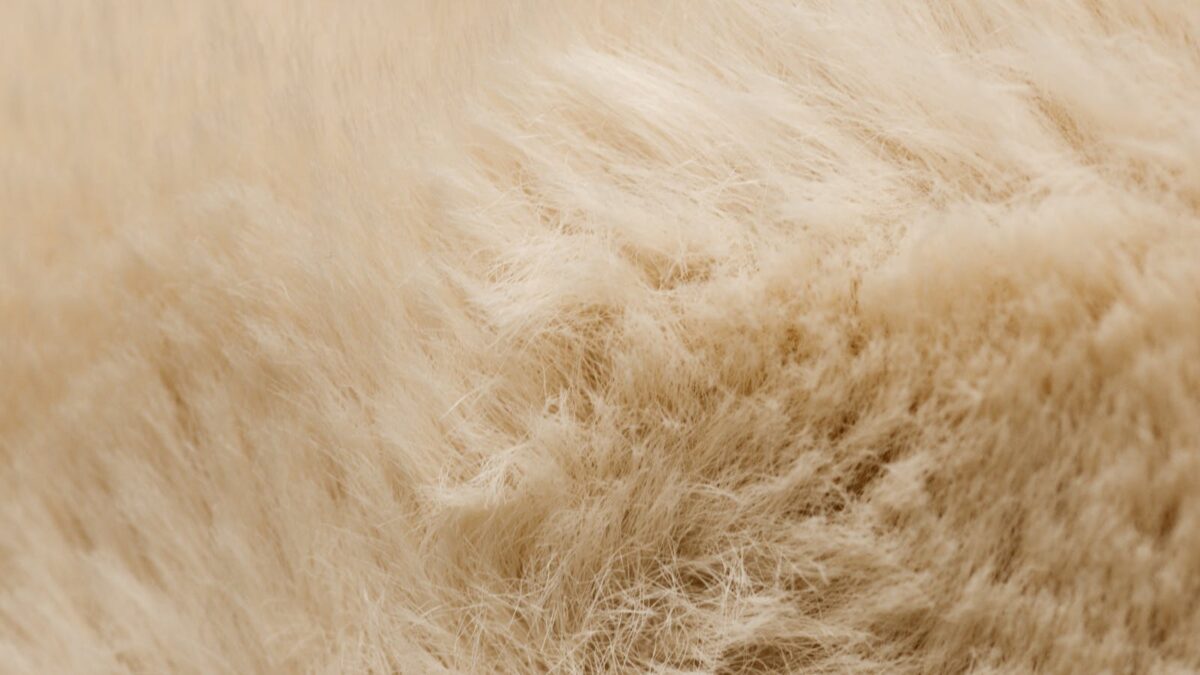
(682, 336)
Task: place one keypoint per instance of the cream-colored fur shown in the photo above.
(576, 337)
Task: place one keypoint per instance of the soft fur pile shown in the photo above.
(546, 336)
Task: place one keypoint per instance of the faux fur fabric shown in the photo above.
(663, 336)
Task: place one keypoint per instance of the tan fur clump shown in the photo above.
(691, 336)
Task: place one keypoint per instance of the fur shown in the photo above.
(686, 336)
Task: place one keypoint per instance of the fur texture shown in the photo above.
(575, 337)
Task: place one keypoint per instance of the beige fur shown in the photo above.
(393, 336)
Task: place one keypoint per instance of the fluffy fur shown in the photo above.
(575, 337)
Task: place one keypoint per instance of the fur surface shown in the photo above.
(576, 337)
